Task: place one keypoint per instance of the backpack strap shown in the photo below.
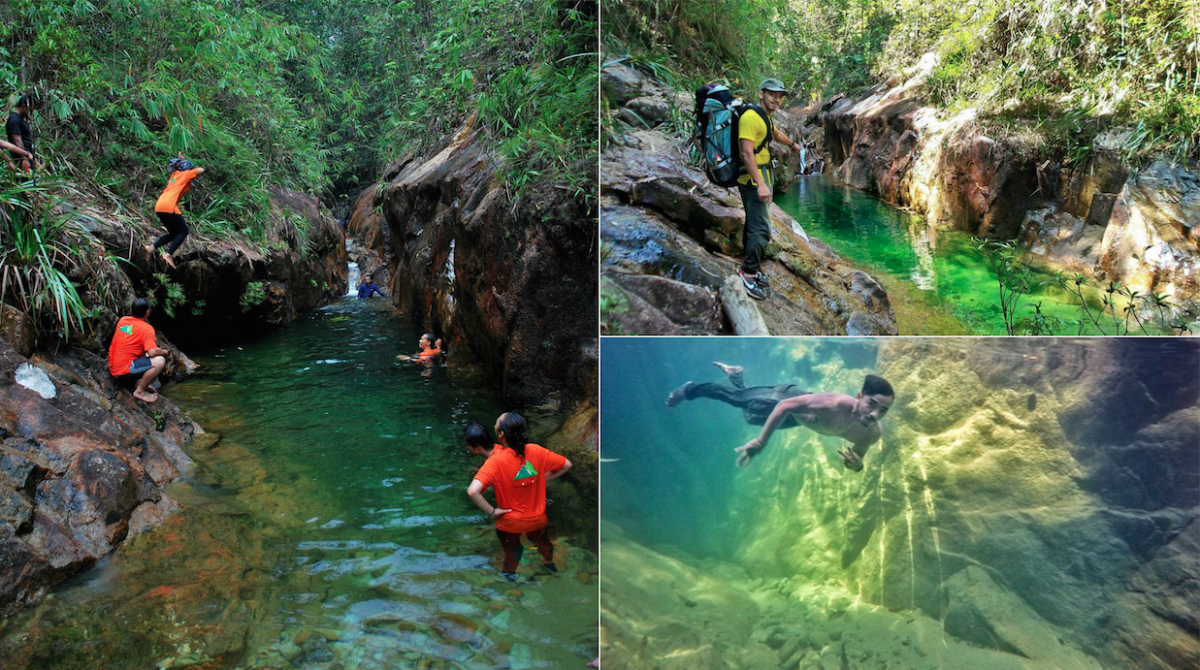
(770, 128)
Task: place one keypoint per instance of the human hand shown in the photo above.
(747, 452)
(181, 154)
(764, 192)
(498, 512)
(851, 460)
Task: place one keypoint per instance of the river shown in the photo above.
(327, 527)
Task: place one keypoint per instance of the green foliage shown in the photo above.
(36, 255)
(253, 296)
(1065, 69)
(1013, 278)
(166, 294)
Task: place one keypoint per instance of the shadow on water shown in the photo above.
(326, 528)
(1032, 505)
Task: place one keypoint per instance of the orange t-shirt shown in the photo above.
(133, 338)
(429, 354)
(520, 485)
(179, 183)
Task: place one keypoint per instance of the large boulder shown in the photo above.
(80, 470)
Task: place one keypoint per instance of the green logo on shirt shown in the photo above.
(526, 470)
(128, 330)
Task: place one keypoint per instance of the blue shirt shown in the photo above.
(365, 290)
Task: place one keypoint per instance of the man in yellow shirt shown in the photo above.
(755, 186)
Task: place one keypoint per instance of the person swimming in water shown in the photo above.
(428, 350)
(852, 418)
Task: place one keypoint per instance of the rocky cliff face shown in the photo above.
(671, 239)
(1101, 217)
(507, 284)
(81, 467)
(1027, 494)
(230, 286)
(82, 464)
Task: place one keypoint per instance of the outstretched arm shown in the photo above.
(782, 411)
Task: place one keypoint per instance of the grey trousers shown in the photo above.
(757, 231)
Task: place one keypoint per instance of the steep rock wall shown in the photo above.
(506, 284)
(1100, 217)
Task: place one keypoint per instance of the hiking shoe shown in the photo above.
(751, 284)
(679, 395)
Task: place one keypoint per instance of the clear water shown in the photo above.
(327, 528)
(936, 281)
(1001, 457)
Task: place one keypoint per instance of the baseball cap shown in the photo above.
(772, 84)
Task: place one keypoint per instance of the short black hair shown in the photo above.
(26, 100)
(514, 429)
(140, 307)
(876, 385)
(476, 435)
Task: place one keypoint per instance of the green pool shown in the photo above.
(327, 528)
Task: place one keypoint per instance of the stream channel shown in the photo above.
(936, 281)
(327, 528)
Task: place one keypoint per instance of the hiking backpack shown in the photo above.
(717, 115)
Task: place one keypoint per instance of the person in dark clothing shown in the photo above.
(20, 134)
(167, 207)
(367, 288)
(851, 418)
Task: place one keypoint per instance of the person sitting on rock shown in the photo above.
(854, 419)
(182, 172)
(518, 471)
(428, 351)
(368, 288)
(134, 358)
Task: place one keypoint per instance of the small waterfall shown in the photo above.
(803, 159)
(352, 279)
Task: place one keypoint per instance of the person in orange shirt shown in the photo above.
(134, 357)
(167, 207)
(518, 471)
(428, 350)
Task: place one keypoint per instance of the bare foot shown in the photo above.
(167, 257)
(730, 370)
(679, 395)
(145, 397)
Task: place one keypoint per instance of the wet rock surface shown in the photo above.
(501, 281)
(671, 239)
(1100, 216)
(80, 472)
(1005, 468)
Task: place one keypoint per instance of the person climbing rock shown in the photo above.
(754, 132)
(854, 419)
(20, 133)
(367, 288)
(182, 172)
(518, 471)
(134, 358)
(428, 351)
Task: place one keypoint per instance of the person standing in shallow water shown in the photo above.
(854, 419)
(518, 471)
(368, 288)
(167, 208)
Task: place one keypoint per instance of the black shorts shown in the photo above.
(137, 368)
